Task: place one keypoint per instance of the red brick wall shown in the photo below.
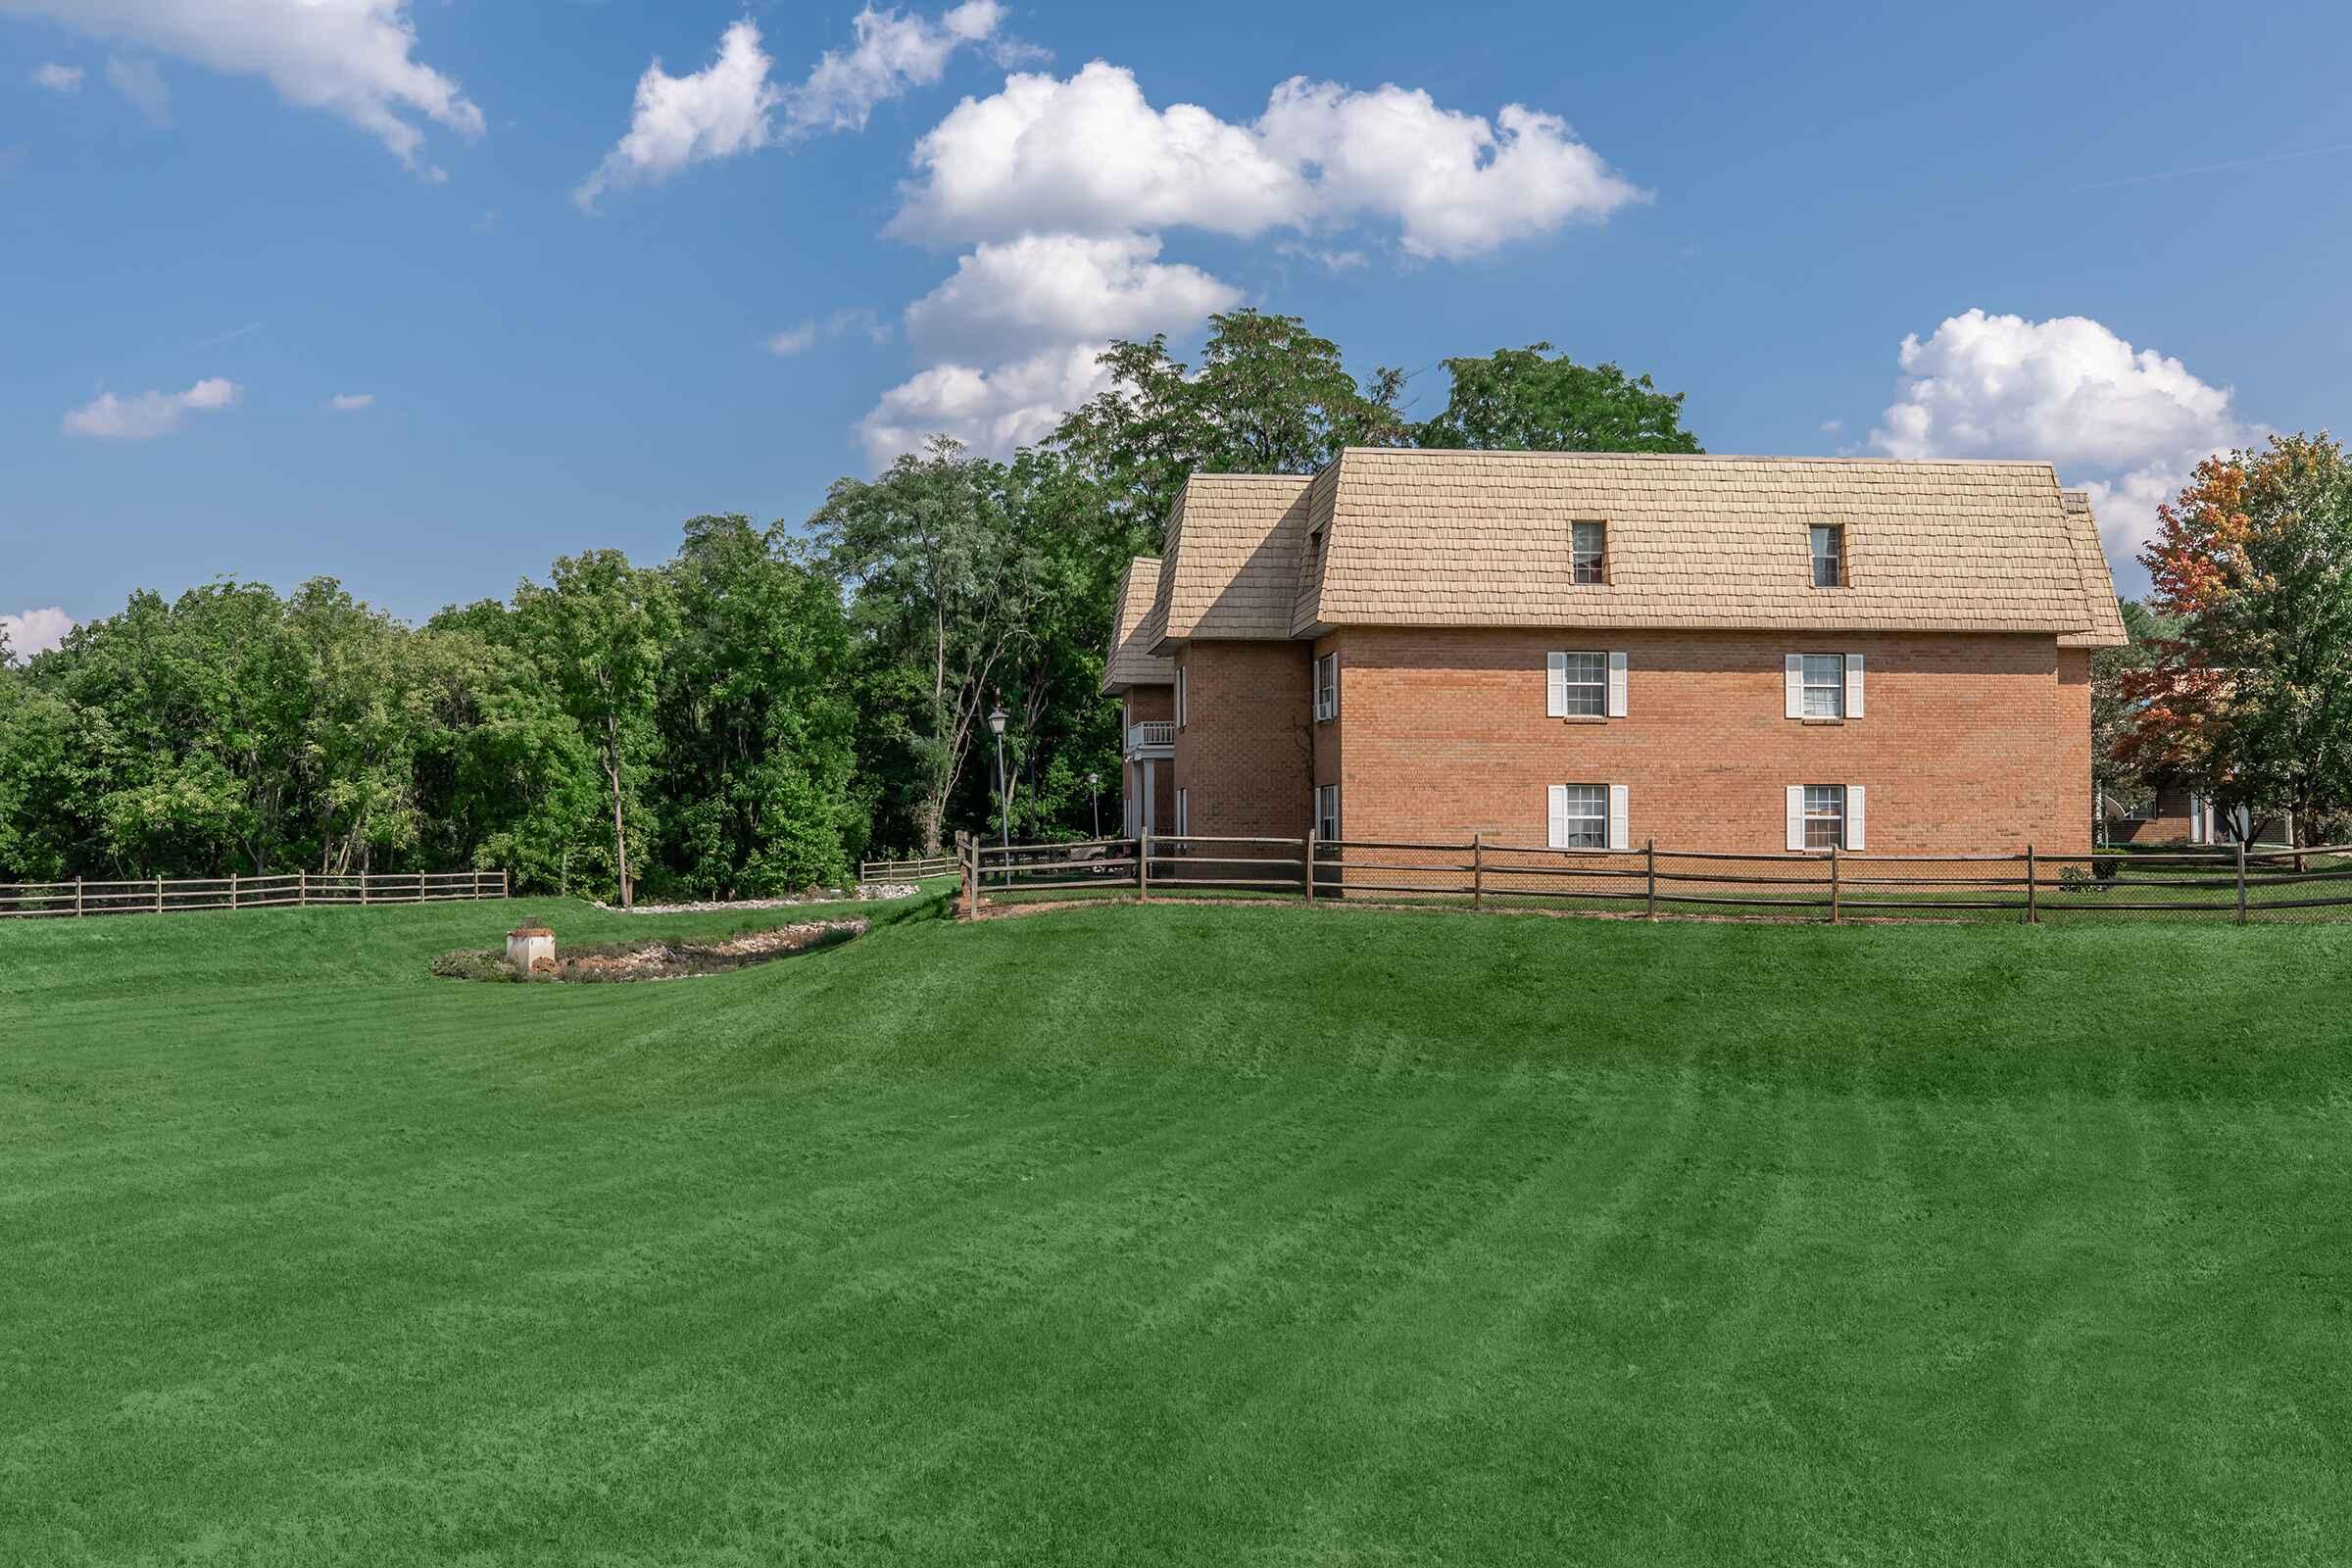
(1145, 705)
(1967, 743)
(1244, 751)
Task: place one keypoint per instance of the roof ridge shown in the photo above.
(1555, 454)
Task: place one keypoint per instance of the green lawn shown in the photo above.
(1200, 1234)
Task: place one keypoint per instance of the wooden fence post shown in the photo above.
(302, 889)
(78, 898)
(363, 890)
(1649, 904)
(2241, 881)
(1478, 871)
(1307, 844)
(159, 895)
(1143, 868)
(1835, 916)
(232, 892)
(2033, 888)
(504, 891)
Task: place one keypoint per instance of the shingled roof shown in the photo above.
(1232, 550)
(1131, 661)
(1429, 538)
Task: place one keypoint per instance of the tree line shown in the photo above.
(748, 717)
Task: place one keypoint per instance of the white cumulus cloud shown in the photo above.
(35, 631)
(807, 335)
(57, 78)
(1061, 288)
(150, 413)
(733, 106)
(2127, 425)
(353, 59)
(138, 81)
(351, 402)
(1091, 154)
(989, 410)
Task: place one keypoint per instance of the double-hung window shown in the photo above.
(1589, 552)
(1824, 817)
(1584, 685)
(1825, 685)
(1327, 813)
(1584, 817)
(1829, 555)
(1326, 687)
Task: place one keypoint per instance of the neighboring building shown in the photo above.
(2174, 812)
(1595, 649)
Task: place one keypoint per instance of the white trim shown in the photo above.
(1617, 685)
(1555, 685)
(1797, 817)
(1855, 839)
(1326, 711)
(1854, 686)
(1620, 817)
(1794, 693)
(1327, 815)
(1559, 817)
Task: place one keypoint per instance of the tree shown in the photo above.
(598, 630)
(1270, 397)
(756, 724)
(942, 587)
(2116, 777)
(2253, 696)
(1516, 399)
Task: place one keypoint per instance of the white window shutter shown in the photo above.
(1796, 817)
(1795, 695)
(1854, 837)
(1335, 684)
(1555, 685)
(1853, 685)
(1617, 685)
(1620, 818)
(1559, 816)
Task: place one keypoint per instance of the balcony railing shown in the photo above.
(1157, 732)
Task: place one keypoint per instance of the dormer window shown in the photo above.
(1589, 552)
(1829, 555)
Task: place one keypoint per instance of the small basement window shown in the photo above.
(1589, 552)
(1824, 817)
(1829, 555)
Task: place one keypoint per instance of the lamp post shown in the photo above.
(1093, 790)
(996, 726)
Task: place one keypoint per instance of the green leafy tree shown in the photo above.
(1269, 397)
(1520, 400)
(598, 629)
(2253, 696)
(942, 586)
(756, 724)
(2116, 778)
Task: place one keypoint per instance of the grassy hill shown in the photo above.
(1177, 1235)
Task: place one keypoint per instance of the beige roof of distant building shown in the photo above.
(1423, 538)
(1131, 661)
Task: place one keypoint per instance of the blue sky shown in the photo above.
(2114, 233)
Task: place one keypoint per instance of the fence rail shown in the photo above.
(287, 890)
(2238, 882)
(916, 870)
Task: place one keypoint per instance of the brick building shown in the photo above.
(1595, 649)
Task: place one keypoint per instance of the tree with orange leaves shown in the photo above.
(2251, 697)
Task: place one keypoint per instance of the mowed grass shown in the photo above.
(1177, 1235)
